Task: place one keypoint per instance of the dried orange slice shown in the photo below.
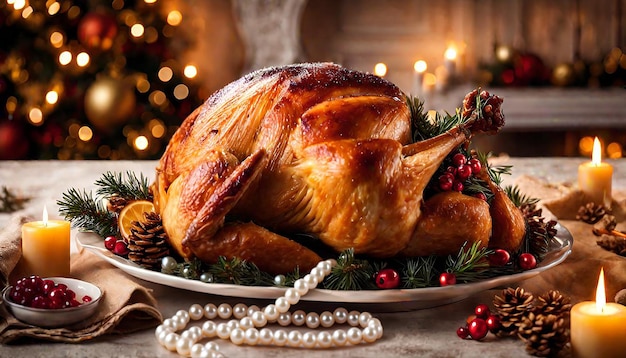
(133, 211)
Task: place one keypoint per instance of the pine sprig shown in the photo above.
(423, 126)
(468, 263)
(350, 273)
(127, 186)
(87, 213)
(518, 198)
(418, 272)
(238, 272)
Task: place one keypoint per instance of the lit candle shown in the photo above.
(419, 68)
(598, 329)
(450, 57)
(380, 69)
(46, 247)
(595, 178)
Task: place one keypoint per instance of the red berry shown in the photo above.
(445, 181)
(499, 257)
(475, 165)
(493, 323)
(451, 170)
(48, 285)
(482, 311)
(39, 302)
(527, 261)
(87, 298)
(120, 248)
(109, 242)
(458, 186)
(387, 278)
(478, 328)
(447, 279)
(463, 172)
(481, 196)
(462, 332)
(458, 159)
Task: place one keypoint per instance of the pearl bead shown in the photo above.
(317, 273)
(246, 323)
(324, 339)
(183, 346)
(310, 280)
(266, 336)
(364, 318)
(196, 312)
(211, 346)
(237, 336)
(183, 315)
(353, 318)
(354, 336)
(252, 309)
(312, 320)
(327, 319)
(301, 287)
(293, 338)
(224, 311)
(282, 305)
(188, 334)
(210, 311)
(339, 337)
(280, 338)
(251, 336)
(160, 328)
(292, 296)
(298, 317)
(341, 315)
(284, 319)
(195, 333)
(369, 334)
(176, 322)
(258, 318)
(170, 341)
(325, 266)
(209, 329)
(240, 310)
(196, 350)
(309, 339)
(161, 336)
(232, 324)
(271, 314)
(223, 331)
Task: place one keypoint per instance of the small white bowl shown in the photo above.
(57, 317)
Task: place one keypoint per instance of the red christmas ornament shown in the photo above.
(478, 328)
(493, 323)
(463, 332)
(387, 279)
(97, 30)
(13, 141)
(447, 279)
(529, 69)
(527, 261)
(499, 257)
(482, 311)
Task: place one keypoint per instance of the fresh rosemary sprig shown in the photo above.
(350, 273)
(127, 186)
(424, 126)
(87, 213)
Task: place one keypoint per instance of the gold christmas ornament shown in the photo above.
(563, 75)
(109, 103)
(504, 53)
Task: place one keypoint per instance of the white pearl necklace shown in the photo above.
(248, 325)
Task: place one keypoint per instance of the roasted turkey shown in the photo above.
(316, 149)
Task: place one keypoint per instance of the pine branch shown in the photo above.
(9, 202)
(238, 272)
(468, 263)
(129, 187)
(87, 213)
(518, 198)
(419, 272)
(350, 274)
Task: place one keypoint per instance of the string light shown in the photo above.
(85, 134)
(614, 150)
(35, 116)
(19, 4)
(137, 30)
(52, 97)
(174, 18)
(27, 12)
(65, 58)
(181, 91)
(165, 74)
(141, 142)
(190, 71)
(54, 8)
(585, 146)
(82, 59)
(56, 39)
(380, 69)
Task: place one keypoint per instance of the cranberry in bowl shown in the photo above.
(51, 302)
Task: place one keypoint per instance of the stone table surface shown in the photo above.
(427, 332)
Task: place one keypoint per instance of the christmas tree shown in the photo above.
(92, 79)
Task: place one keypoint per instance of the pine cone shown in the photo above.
(591, 213)
(539, 234)
(116, 203)
(512, 305)
(553, 302)
(545, 334)
(148, 241)
(616, 244)
(530, 211)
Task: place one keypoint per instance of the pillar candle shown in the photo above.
(46, 247)
(598, 329)
(595, 178)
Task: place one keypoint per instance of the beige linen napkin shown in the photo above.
(125, 306)
(577, 276)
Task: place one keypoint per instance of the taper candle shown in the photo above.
(595, 177)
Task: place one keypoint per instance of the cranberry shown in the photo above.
(493, 323)
(481, 196)
(478, 328)
(458, 186)
(40, 302)
(527, 261)
(446, 181)
(458, 159)
(463, 172)
(120, 248)
(462, 332)
(48, 285)
(87, 298)
(451, 170)
(499, 257)
(475, 165)
(109, 242)
(482, 311)
(447, 279)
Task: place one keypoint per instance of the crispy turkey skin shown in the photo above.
(308, 148)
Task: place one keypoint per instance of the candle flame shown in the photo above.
(596, 155)
(600, 292)
(45, 216)
(420, 66)
(450, 53)
(380, 69)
